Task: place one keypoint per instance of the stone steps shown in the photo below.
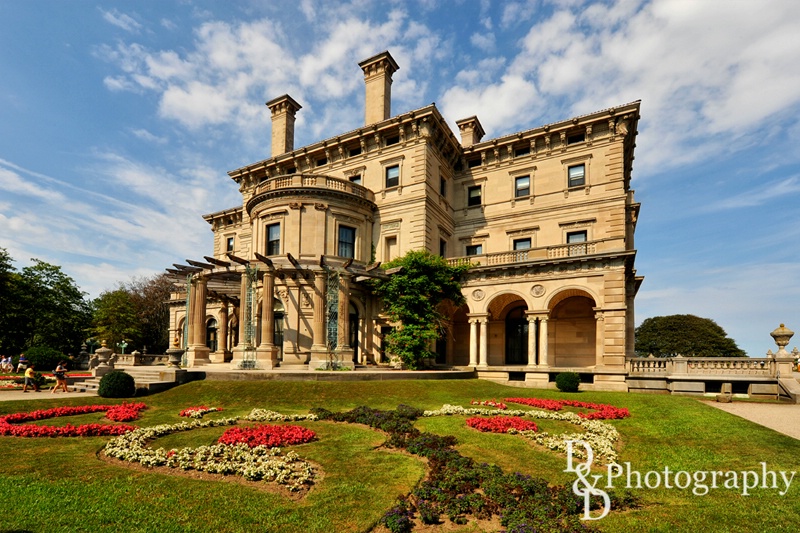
(152, 379)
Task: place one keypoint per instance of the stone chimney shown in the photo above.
(378, 72)
(283, 109)
(471, 131)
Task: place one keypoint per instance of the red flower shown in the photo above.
(267, 435)
(601, 411)
(501, 424)
(118, 413)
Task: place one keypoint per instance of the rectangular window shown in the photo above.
(347, 242)
(472, 163)
(474, 195)
(274, 239)
(443, 247)
(443, 186)
(577, 175)
(576, 138)
(355, 151)
(522, 186)
(576, 237)
(392, 140)
(229, 245)
(322, 161)
(391, 248)
(356, 179)
(519, 152)
(522, 244)
(475, 249)
(291, 170)
(392, 176)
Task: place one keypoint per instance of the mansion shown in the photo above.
(546, 216)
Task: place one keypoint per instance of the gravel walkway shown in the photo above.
(783, 418)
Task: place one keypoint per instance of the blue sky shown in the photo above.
(119, 121)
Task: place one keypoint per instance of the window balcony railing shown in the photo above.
(542, 253)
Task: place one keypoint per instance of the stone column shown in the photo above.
(473, 342)
(319, 348)
(600, 339)
(242, 312)
(197, 354)
(267, 353)
(343, 329)
(222, 335)
(484, 343)
(531, 340)
(544, 356)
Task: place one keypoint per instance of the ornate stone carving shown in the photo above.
(537, 291)
(478, 295)
(284, 295)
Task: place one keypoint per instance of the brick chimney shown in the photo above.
(283, 109)
(378, 72)
(471, 131)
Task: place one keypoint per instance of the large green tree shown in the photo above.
(418, 283)
(686, 335)
(137, 312)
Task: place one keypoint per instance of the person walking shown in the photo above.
(30, 379)
(61, 377)
(22, 363)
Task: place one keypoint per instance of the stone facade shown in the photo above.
(546, 215)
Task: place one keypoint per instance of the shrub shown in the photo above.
(44, 357)
(117, 384)
(568, 382)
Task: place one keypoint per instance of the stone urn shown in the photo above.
(175, 354)
(104, 354)
(782, 336)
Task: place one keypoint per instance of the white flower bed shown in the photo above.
(601, 436)
(258, 463)
(265, 415)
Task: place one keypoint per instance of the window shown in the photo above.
(274, 239)
(322, 161)
(229, 245)
(576, 138)
(392, 140)
(519, 152)
(522, 244)
(577, 175)
(474, 249)
(442, 247)
(576, 236)
(391, 248)
(347, 241)
(292, 170)
(443, 186)
(474, 195)
(355, 151)
(392, 176)
(522, 186)
(356, 179)
(472, 163)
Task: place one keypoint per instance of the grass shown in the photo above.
(61, 485)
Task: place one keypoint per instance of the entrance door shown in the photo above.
(516, 337)
(354, 332)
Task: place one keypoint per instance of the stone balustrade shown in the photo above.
(542, 253)
(314, 181)
(702, 366)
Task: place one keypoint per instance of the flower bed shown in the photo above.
(118, 413)
(501, 424)
(601, 411)
(490, 403)
(257, 463)
(268, 435)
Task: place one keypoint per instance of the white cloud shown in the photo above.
(759, 195)
(145, 135)
(483, 41)
(121, 20)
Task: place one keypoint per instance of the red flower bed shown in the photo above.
(490, 403)
(601, 411)
(117, 413)
(267, 435)
(501, 424)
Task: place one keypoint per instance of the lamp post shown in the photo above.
(123, 345)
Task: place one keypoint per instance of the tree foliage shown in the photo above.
(40, 306)
(137, 312)
(686, 335)
(411, 297)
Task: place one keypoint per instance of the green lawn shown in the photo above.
(62, 485)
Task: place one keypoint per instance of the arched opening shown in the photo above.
(572, 332)
(211, 334)
(516, 325)
(460, 334)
